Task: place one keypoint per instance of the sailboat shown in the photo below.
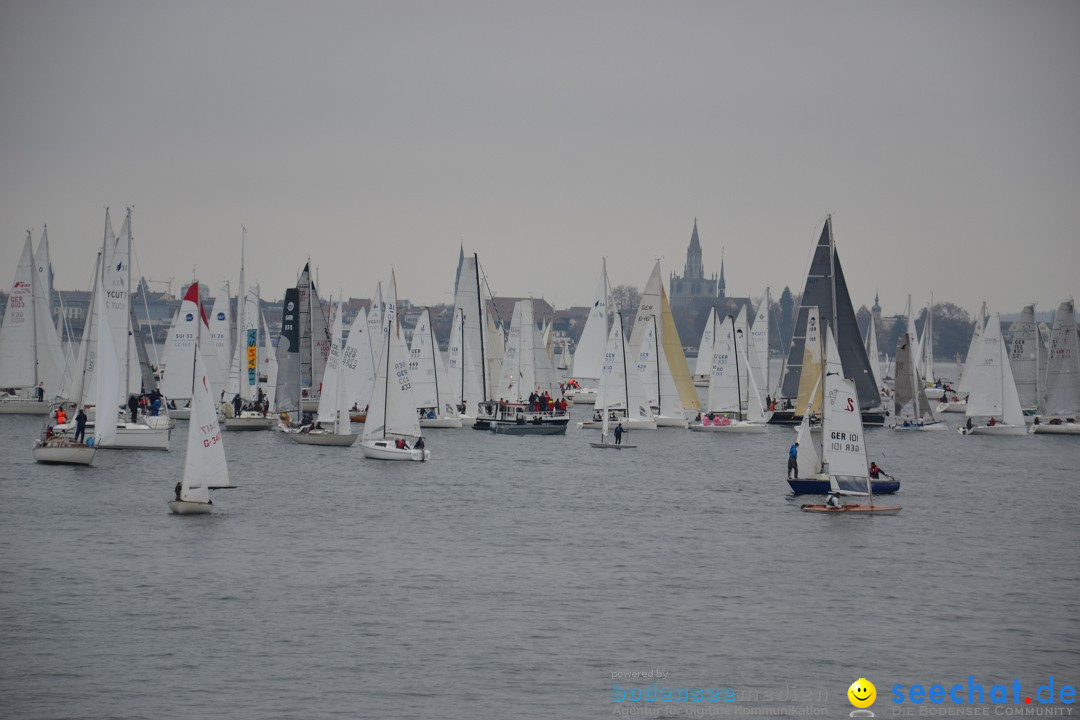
(843, 453)
(703, 362)
(955, 400)
(204, 463)
(912, 409)
(392, 430)
(127, 361)
(244, 369)
(1025, 352)
(621, 397)
(657, 381)
(728, 391)
(520, 380)
(430, 387)
(31, 357)
(332, 425)
(993, 391)
(1059, 406)
(472, 359)
(589, 353)
(826, 289)
(189, 324)
(612, 357)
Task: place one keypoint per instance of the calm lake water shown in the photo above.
(512, 577)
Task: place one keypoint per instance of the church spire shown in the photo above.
(721, 286)
(693, 269)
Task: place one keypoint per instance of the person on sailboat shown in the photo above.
(41, 392)
(618, 434)
(177, 489)
(236, 403)
(876, 471)
(793, 461)
(80, 426)
(133, 407)
(833, 501)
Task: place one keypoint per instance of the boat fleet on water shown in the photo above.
(317, 384)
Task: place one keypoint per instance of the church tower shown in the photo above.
(693, 269)
(693, 285)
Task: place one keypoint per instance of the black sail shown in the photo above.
(287, 395)
(819, 292)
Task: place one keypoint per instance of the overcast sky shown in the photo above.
(944, 137)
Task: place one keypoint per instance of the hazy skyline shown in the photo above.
(942, 137)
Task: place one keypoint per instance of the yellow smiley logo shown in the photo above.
(862, 693)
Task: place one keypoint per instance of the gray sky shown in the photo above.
(943, 136)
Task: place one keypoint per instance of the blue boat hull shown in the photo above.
(821, 487)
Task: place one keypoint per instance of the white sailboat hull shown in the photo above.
(440, 422)
(323, 438)
(628, 424)
(934, 393)
(180, 413)
(22, 406)
(852, 509)
(387, 450)
(254, 422)
(63, 452)
(925, 426)
(999, 429)
(1069, 428)
(668, 421)
(140, 437)
(183, 507)
(736, 426)
(956, 406)
(612, 446)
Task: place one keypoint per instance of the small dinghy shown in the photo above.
(204, 464)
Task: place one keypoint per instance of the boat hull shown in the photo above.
(500, 428)
(582, 396)
(999, 429)
(925, 426)
(63, 452)
(611, 446)
(250, 423)
(870, 418)
(733, 427)
(675, 422)
(853, 509)
(180, 413)
(328, 439)
(628, 424)
(440, 422)
(1063, 429)
(22, 406)
(183, 507)
(138, 437)
(957, 406)
(816, 486)
(386, 450)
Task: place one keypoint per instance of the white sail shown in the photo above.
(809, 456)
(1024, 352)
(204, 461)
(654, 375)
(467, 306)
(589, 354)
(758, 348)
(52, 364)
(963, 385)
(377, 331)
(516, 379)
(993, 391)
(723, 394)
(106, 378)
(18, 368)
(843, 450)
(220, 323)
(925, 357)
(543, 365)
(267, 362)
(909, 398)
(328, 400)
(357, 362)
(424, 369)
(179, 352)
(392, 411)
(1061, 396)
(703, 364)
(612, 390)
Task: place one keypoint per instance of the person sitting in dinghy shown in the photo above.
(833, 501)
(876, 471)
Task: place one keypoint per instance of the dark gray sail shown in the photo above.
(819, 292)
(287, 395)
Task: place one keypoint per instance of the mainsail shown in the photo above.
(827, 290)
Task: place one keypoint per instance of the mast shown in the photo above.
(656, 343)
(386, 388)
(434, 363)
(832, 280)
(483, 329)
(626, 377)
(738, 374)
